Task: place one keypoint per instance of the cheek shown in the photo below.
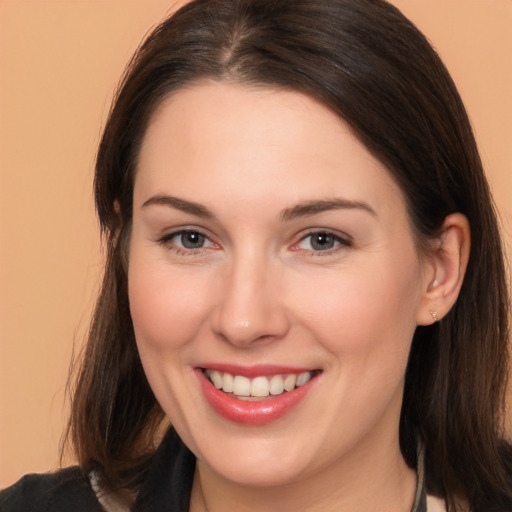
(364, 312)
(167, 307)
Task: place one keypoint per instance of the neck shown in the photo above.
(369, 481)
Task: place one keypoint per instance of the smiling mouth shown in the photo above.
(257, 388)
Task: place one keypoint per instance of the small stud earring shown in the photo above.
(435, 283)
(434, 315)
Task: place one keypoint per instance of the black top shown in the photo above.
(66, 490)
(166, 489)
(167, 486)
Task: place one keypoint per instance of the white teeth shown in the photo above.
(276, 385)
(303, 378)
(259, 386)
(216, 379)
(241, 386)
(289, 382)
(227, 382)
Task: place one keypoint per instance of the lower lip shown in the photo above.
(258, 412)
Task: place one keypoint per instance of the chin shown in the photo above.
(257, 473)
(257, 462)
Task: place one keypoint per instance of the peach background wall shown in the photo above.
(59, 63)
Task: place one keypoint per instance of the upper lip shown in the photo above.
(254, 370)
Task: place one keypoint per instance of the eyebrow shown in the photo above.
(180, 204)
(305, 209)
(315, 207)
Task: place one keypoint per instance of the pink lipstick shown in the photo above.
(272, 393)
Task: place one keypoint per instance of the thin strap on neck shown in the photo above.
(420, 498)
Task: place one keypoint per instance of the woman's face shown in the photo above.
(272, 254)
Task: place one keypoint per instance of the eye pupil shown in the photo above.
(322, 241)
(192, 240)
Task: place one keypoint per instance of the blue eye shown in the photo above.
(186, 239)
(322, 241)
(190, 239)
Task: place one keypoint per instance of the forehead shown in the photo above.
(247, 142)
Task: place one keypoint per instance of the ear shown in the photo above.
(445, 269)
(117, 219)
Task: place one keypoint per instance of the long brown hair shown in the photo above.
(370, 65)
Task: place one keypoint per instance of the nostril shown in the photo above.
(247, 312)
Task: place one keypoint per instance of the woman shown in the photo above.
(299, 277)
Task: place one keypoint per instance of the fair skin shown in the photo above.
(267, 242)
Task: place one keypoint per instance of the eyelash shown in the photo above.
(340, 241)
(167, 241)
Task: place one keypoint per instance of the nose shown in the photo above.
(250, 307)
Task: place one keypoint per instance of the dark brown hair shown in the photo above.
(370, 65)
